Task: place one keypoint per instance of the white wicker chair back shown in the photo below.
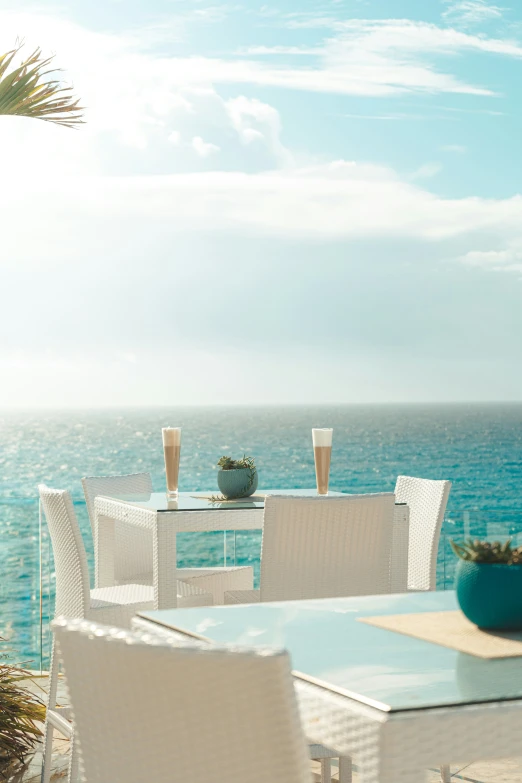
(72, 573)
(113, 486)
(145, 709)
(323, 547)
(133, 547)
(427, 500)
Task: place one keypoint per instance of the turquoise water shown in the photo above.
(478, 447)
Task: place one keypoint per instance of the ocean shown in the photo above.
(477, 447)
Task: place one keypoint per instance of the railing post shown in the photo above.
(41, 580)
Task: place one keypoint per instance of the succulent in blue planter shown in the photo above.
(488, 583)
(237, 478)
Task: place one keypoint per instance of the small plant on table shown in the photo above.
(237, 478)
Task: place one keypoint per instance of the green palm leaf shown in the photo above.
(27, 91)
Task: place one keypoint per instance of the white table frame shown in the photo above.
(165, 525)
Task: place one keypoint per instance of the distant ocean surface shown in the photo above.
(477, 447)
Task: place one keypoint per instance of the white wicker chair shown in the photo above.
(146, 709)
(323, 547)
(427, 502)
(134, 545)
(74, 598)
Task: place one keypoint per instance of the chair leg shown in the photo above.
(445, 774)
(74, 762)
(326, 771)
(47, 753)
(49, 728)
(345, 769)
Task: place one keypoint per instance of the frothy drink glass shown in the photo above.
(171, 451)
(322, 440)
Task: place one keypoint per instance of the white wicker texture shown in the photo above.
(399, 553)
(324, 547)
(243, 596)
(216, 581)
(133, 545)
(427, 500)
(72, 573)
(226, 716)
(391, 747)
(113, 605)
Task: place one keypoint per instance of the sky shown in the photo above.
(269, 203)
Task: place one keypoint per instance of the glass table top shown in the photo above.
(198, 501)
(327, 644)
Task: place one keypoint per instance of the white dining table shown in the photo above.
(165, 517)
(398, 705)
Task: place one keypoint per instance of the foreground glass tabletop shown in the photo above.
(199, 501)
(387, 670)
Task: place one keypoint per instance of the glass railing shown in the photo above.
(27, 582)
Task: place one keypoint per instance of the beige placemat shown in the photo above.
(259, 497)
(452, 629)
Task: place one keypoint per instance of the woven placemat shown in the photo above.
(454, 630)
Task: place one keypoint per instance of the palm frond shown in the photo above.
(28, 90)
(20, 714)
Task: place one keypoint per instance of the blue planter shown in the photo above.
(236, 483)
(490, 594)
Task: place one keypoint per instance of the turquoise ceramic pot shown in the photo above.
(490, 594)
(236, 483)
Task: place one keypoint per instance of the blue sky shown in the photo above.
(279, 202)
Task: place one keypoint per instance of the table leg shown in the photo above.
(399, 550)
(445, 774)
(164, 565)
(393, 768)
(326, 771)
(104, 549)
(345, 769)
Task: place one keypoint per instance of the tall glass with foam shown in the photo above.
(322, 440)
(171, 452)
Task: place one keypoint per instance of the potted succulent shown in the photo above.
(489, 583)
(237, 478)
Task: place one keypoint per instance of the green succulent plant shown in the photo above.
(476, 551)
(227, 463)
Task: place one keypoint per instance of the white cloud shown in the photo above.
(130, 90)
(279, 50)
(396, 37)
(175, 138)
(459, 148)
(508, 259)
(471, 12)
(256, 121)
(336, 200)
(426, 171)
(370, 57)
(303, 20)
(204, 148)
(363, 58)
